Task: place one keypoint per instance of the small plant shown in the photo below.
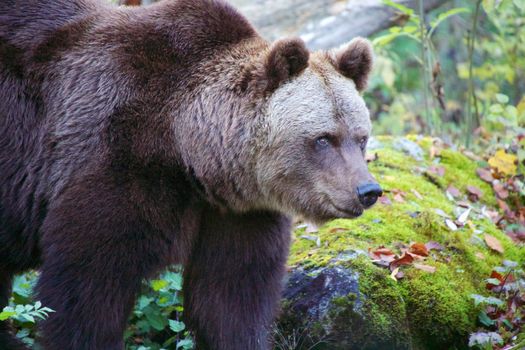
(25, 317)
(415, 27)
(503, 314)
(156, 322)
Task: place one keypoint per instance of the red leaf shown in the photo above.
(405, 259)
(419, 249)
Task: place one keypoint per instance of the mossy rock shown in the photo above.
(336, 298)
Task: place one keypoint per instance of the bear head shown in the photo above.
(316, 129)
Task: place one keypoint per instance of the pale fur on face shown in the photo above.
(318, 102)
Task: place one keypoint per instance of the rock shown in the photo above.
(409, 147)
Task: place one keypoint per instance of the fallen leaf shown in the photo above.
(419, 249)
(463, 204)
(416, 193)
(315, 239)
(436, 170)
(426, 268)
(462, 219)
(504, 163)
(454, 192)
(441, 213)
(394, 273)
(432, 245)
(500, 190)
(399, 196)
(474, 193)
(311, 228)
(496, 279)
(493, 243)
(385, 200)
(451, 225)
(405, 259)
(485, 175)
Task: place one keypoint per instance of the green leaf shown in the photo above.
(4, 315)
(29, 317)
(485, 319)
(158, 284)
(387, 38)
(508, 324)
(493, 281)
(186, 344)
(520, 4)
(503, 99)
(174, 279)
(402, 8)
(176, 326)
(443, 16)
(155, 318)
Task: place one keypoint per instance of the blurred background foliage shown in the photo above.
(459, 75)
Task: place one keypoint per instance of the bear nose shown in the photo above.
(368, 194)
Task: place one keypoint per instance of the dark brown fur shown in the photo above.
(355, 62)
(113, 164)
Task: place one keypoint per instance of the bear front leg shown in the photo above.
(233, 280)
(96, 252)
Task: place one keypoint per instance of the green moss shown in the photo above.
(422, 310)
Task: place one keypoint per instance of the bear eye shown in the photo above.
(362, 143)
(322, 141)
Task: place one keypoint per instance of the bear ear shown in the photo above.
(354, 60)
(286, 59)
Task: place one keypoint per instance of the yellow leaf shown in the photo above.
(394, 273)
(505, 163)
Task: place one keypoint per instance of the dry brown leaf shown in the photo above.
(419, 249)
(426, 268)
(474, 193)
(454, 192)
(493, 243)
(485, 175)
(500, 190)
(432, 245)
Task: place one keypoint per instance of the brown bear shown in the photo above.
(135, 138)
